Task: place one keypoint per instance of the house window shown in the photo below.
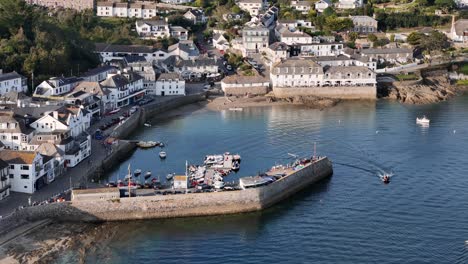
(24, 167)
(11, 176)
(14, 137)
(24, 176)
(12, 167)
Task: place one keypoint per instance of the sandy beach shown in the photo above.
(224, 103)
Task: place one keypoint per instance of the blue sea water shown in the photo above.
(420, 217)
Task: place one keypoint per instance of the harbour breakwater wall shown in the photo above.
(182, 205)
(334, 92)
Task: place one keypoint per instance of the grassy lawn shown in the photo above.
(463, 69)
(462, 82)
(407, 77)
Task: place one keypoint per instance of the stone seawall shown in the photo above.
(182, 205)
(342, 92)
(150, 110)
(229, 91)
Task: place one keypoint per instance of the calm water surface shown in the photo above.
(420, 217)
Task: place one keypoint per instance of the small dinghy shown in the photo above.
(147, 175)
(162, 154)
(147, 125)
(423, 120)
(137, 172)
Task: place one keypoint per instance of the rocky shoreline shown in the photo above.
(427, 90)
(55, 241)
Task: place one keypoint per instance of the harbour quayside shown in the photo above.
(201, 191)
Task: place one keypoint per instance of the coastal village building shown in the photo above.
(98, 74)
(110, 52)
(85, 100)
(349, 4)
(14, 131)
(154, 29)
(56, 86)
(119, 9)
(243, 85)
(197, 16)
(101, 95)
(253, 7)
(26, 170)
(5, 185)
(290, 38)
(392, 55)
(364, 24)
(458, 31)
(220, 42)
(461, 3)
(179, 33)
(321, 5)
(293, 24)
(302, 6)
(145, 69)
(255, 39)
(276, 52)
(12, 81)
(185, 49)
(300, 72)
(346, 60)
(79, 5)
(170, 84)
(194, 68)
(67, 128)
(176, 2)
(125, 89)
(317, 49)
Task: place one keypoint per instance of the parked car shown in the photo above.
(133, 109)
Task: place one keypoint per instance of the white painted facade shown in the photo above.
(25, 168)
(56, 86)
(253, 7)
(349, 4)
(302, 6)
(12, 82)
(170, 84)
(321, 5)
(152, 29)
(117, 9)
(321, 49)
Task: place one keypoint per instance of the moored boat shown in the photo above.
(147, 175)
(162, 154)
(423, 120)
(236, 109)
(170, 176)
(235, 166)
(137, 172)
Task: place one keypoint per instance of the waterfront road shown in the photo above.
(76, 176)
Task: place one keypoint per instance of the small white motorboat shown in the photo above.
(218, 184)
(423, 120)
(147, 175)
(128, 177)
(236, 109)
(137, 172)
(147, 125)
(162, 154)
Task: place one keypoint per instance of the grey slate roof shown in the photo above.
(104, 47)
(10, 76)
(98, 70)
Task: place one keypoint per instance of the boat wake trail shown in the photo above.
(354, 167)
